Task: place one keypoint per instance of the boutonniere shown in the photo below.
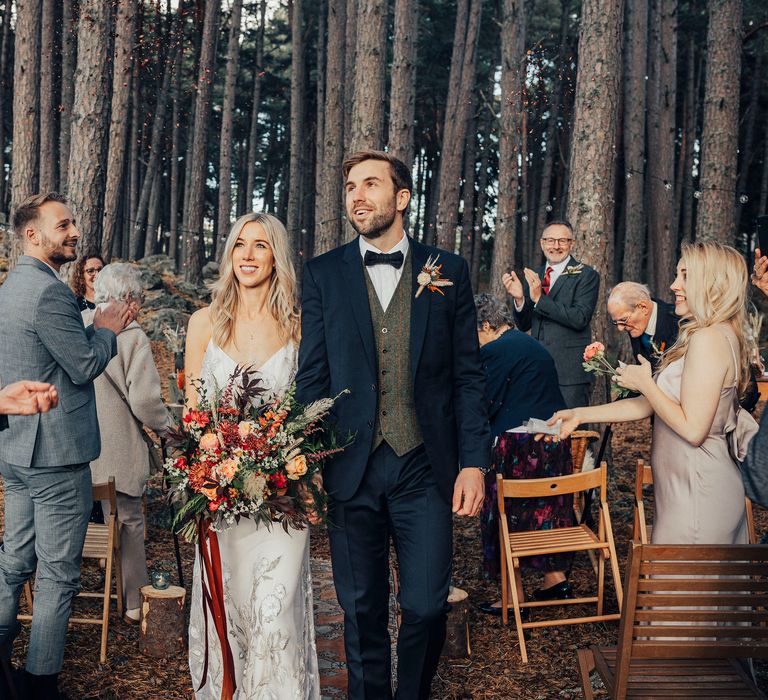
(657, 350)
(430, 278)
(574, 269)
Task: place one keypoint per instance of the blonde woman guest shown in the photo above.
(253, 320)
(698, 489)
(123, 451)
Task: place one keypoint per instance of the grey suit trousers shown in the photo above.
(46, 516)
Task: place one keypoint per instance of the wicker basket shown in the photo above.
(580, 440)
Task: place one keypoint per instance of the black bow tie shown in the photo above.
(394, 259)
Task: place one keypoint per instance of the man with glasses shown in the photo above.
(556, 302)
(650, 323)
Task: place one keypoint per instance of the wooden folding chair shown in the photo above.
(102, 542)
(580, 441)
(690, 613)
(641, 531)
(516, 545)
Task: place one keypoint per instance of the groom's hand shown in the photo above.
(468, 491)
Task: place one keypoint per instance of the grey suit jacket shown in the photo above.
(560, 320)
(43, 338)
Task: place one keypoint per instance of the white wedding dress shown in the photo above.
(267, 587)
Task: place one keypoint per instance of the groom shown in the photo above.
(401, 336)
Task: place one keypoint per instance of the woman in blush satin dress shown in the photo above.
(699, 496)
(253, 321)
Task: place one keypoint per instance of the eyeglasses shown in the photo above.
(559, 241)
(93, 270)
(624, 321)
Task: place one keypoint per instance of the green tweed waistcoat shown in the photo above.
(396, 415)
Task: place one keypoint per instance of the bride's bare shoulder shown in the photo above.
(199, 326)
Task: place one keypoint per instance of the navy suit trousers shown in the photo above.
(398, 498)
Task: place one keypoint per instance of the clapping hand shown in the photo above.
(534, 284)
(25, 398)
(513, 285)
(635, 377)
(760, 271)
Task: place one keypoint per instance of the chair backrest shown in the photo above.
(643, 477)
(693, 601)
(551, 486)
(580, 441)
(106, 492)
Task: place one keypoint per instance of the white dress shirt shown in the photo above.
(385, 277)
(650, 329)
(557, 270)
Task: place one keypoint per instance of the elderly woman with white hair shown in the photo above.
(127, 397)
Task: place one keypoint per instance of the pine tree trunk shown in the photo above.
(482, 197)
(298, 110)
(133, 158)
(125, 27)
(253, 138)
(49, 167)
(593, 157)
(747, 152)
(762, 208)
(402, 101)
(687, 147)
(193, 221)
(662, 91)
(173, 223)
(328, 213)
(4, 48)
(68, 61)
(26, 124)
(512, 76)
(321, 67)
(227, 118)
(468, 189)
(370, 76)
(350, 56)
(153, 214)
(719, 139)
(153, 165)
(462, 76)
(90, 113)
(547, 175)
(635, 60)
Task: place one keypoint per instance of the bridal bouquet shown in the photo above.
(233, 458)
(595, 361)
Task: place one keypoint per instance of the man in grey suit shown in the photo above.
(556, 302)
(44, 457)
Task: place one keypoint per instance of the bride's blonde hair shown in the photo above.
(716, 292)
(281, 301)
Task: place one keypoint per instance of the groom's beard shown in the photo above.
(375, 226)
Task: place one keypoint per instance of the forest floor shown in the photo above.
(495, 671)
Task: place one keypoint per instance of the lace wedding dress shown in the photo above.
(267, 588)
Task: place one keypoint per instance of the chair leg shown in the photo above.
(600, 580)
(105, 608)
(514, 572)
(586, 666)
(504, 586)
(616, 578)
(116, 556)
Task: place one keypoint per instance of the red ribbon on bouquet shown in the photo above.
(213, 601)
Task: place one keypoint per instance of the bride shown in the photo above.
(253, 321)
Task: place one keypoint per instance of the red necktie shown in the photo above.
(545, 282)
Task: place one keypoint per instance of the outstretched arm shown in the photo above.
(25, 398)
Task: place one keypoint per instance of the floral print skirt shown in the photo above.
(519, 456)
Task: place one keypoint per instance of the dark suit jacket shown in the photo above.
(665, 335)
(560, 321)
(754, 471)
(520, 381)
(338, 352)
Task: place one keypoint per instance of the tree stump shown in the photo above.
(457, 627)
(162, 621)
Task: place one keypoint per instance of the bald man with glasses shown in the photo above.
(556, 302)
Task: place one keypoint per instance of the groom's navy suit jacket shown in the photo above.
(338, 352)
